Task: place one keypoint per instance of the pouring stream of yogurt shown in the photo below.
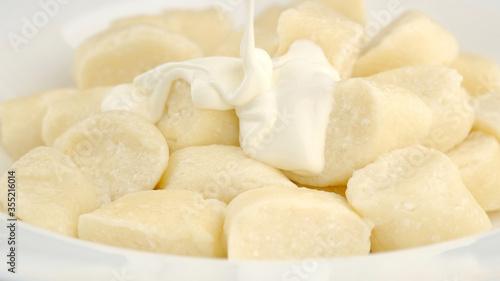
(283, 104)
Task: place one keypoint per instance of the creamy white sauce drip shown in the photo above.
(283, 104)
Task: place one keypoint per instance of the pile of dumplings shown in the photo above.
(412, 149)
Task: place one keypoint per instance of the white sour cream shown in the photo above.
(283, 104)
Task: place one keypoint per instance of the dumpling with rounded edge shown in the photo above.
(184, 125)
(415, 196)
(478, 159)
(487, 108)
(62, 115)
(340, 38)
(412, 39)
(21, 120)
(280, 223)
(119, 151)
(116, 56)
(176, 222)
(439, 88)
(51, 191)
(481, 74)
(219, 172)
(207, 28)
(368, 119)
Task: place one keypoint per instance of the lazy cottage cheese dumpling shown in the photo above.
(116, 56)
(176, 222)
(478, 158)
(439, 88)
(368, 119)
(220, 172)
(183, 124)
(207, 28)
(21, 120)
(413, 39)
(283, 223)
(488, 114)
(61, 115)
(51, 191)
(481, 74)
(340, 38)
(414, 196)
(119, 151)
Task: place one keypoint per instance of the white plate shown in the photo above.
(43, 61)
